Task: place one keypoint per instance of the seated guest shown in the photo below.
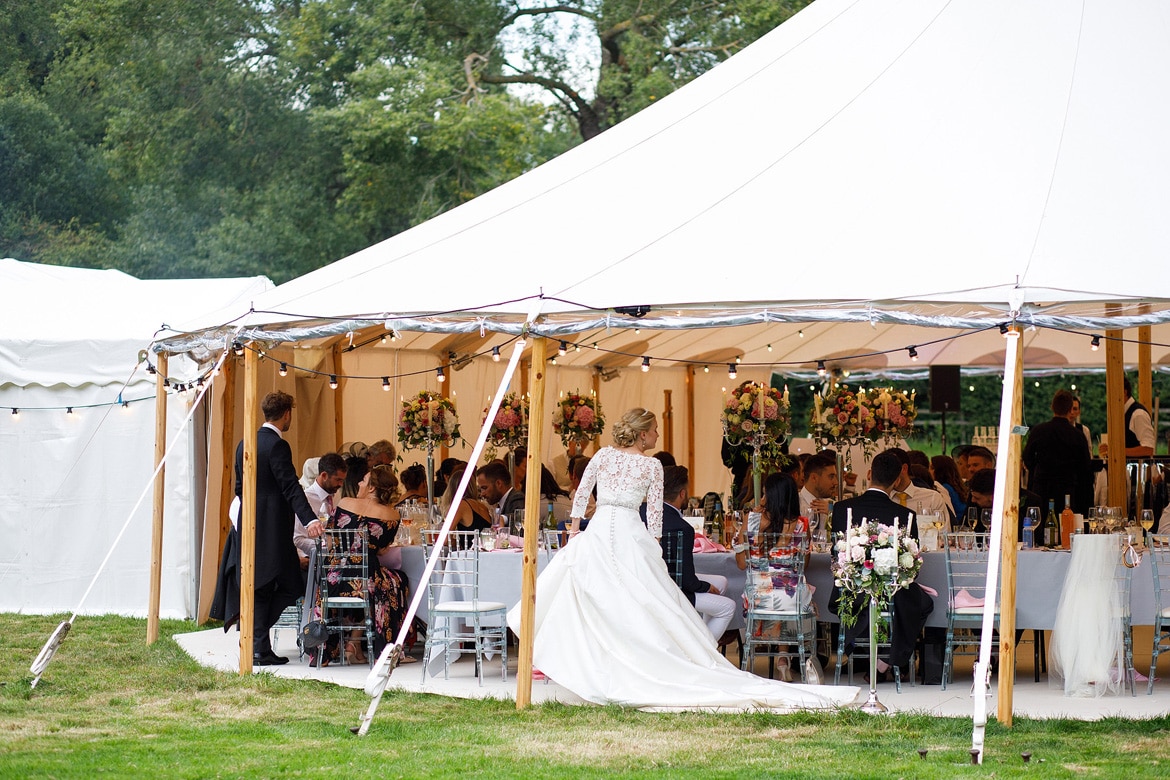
(414, 483)
(495, 486)
(678, 542)
(665, 458)
(387, 587)
(473, 514)
(355, 471)
(330, 478)
(444, 474)
(912, 605)
(983, 495)
(820, 485)
(576, 472)
(946, 473)
(552, 493)
(381, 453)
(779, 512)
(927, 501)
(978, 458)
(875, 503)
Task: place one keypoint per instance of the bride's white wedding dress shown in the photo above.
(614, 628)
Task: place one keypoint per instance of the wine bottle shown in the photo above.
(1067, 520)
(1050, 535)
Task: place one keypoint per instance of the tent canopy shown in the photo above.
(936, 164)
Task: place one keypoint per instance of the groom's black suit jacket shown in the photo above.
(874, 505)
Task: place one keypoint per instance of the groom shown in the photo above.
(678, 545)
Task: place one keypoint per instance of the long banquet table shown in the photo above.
(1040, 576)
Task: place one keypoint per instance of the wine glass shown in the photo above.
(972, 519)
(1147, 521)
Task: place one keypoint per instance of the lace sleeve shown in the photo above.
(581, 500)
(654, 499)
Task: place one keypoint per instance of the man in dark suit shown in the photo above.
(279, 498)
(875, 503)
(678, 550)
(495, 487)
(912, 605)
(1057, 457)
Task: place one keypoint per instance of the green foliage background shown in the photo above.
(174, 138)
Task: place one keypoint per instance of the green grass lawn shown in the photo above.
(109, 706)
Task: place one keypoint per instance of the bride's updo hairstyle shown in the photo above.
(633, 422)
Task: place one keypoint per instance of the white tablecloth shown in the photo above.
(1040, 574)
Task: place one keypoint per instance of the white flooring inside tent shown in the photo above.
(214, 648)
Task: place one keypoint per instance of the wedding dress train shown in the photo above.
(613, 627)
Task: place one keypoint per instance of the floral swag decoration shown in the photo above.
(426, 420)
(509, 429)
(578, 418)
(872, 560)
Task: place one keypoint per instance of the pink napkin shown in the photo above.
(964, 599)
(928, 590)
(705, 545)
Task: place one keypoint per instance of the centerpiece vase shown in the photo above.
(430, 477)
(757, 472)
(872, 705)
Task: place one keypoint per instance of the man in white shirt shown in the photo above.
(330, 477)
(924, 501)
(820, 485)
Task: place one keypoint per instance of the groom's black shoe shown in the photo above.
(268, 658)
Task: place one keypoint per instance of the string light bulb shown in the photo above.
(439, 375)
(495, 354)
(69, 411)
(1095, 344)
(1003, 329)
(800, 333)
(706, 369)
(15, 413)
(913, 354)
(386, 384)
(238, 348)
(150, 369)
(645, 364)
(283, 369)
(332, 381)
(769, 347)
(383, 338)
(731, 371)
(820, 368)
(563, 348)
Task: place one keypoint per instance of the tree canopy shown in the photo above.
(172, 138)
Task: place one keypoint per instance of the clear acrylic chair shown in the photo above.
(966, 558)
(781, 617)
(860, 650)
(343, 587)
(1123, 579)
(457, 614)
(1159, 555)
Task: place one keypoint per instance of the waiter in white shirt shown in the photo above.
(820, 486)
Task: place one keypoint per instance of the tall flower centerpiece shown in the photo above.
(758, 417)
(426, 420)
(577, 419)
(871, 563)
(842, 419)
(509, 429)
(894, 412)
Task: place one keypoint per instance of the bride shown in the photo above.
(611, 625)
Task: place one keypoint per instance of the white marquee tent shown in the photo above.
(70, 338)
(868, 177)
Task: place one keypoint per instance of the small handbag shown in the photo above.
(313, 634)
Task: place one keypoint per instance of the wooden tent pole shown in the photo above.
(1008, 553)
(248, 510)
(532, 521)
(156, 531)
(691, 427)
(667, 422)
(338, 401)
(1115, 419)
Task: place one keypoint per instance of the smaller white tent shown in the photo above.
(70, 338)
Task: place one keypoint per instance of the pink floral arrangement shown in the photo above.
(509, 428)
(843, 417)
(755, 411)
(578, 418)
(427, 419)
(894, 411)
